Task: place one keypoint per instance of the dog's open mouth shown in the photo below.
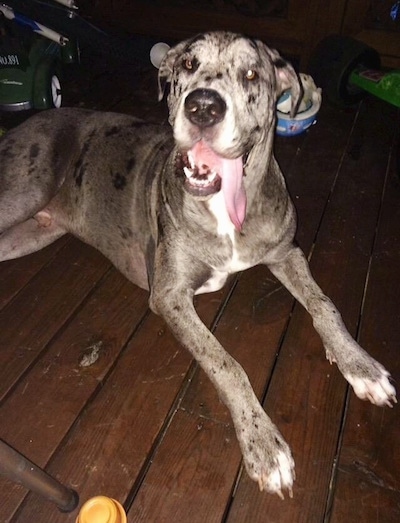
(201, 179)
(207, 173)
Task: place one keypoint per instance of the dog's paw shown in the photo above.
(378, 390)
(369, 379)
(269, 462)
(280, 477)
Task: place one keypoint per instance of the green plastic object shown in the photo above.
(31, 69)
(384, 85)
(28, 79)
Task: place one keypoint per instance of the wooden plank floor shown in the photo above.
(142, 423)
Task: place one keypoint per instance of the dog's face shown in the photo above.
(222, 97)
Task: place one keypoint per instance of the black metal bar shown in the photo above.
(19, 469)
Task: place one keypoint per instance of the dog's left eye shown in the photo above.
(251, 74)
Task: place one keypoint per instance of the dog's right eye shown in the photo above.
(189, 64)
(251, 75)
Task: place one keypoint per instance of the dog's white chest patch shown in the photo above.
(217, 206)
(219, 275)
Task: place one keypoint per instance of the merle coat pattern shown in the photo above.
(177, 209)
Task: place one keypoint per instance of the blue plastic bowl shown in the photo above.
(311, 102)
(287, 126)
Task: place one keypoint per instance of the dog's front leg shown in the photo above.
(369, 379)
(267, 457)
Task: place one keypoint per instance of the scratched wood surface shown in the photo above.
(142, 423)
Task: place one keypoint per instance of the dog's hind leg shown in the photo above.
(369, 379)
(29, 236)
(26, 222)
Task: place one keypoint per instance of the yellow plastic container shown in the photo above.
(102, 509)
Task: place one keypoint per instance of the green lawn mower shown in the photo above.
(37, 37)
(31, 59)
(347, 70)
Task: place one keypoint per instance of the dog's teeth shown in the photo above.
(188, 172)
(191, 160)
(202, 180)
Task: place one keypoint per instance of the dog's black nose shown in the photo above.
(204, 107)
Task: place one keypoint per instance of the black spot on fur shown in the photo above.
(253, 43)
(160, 230)
(112, 131)
(150, 253)
(279, 63)
(254, 415)
(137, 124)
(119, 181)
(78, 175)
(209, 78)
(8, 153)
(33, 154)
(34, 151)
(251, 99)
(80, 164)
(130, 164)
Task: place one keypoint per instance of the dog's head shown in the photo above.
(222, 97)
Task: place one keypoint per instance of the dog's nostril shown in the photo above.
(215, 110)
(192, 107)
(205, 107)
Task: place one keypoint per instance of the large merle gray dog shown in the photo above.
(179, 209)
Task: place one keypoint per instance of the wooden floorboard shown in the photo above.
(140, 422)
(15, 274)
(369, 464)
(43, 306)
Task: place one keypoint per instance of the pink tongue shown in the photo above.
(231, 174)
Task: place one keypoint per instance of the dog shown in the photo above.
(179, 208)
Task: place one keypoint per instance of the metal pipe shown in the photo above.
(68, 3)
(19, 469)
(41, 29)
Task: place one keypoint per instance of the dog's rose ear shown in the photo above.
(165, 73)
(287, 78)
(166, 68)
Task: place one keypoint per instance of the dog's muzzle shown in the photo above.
(204, 108)
(206, 171)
